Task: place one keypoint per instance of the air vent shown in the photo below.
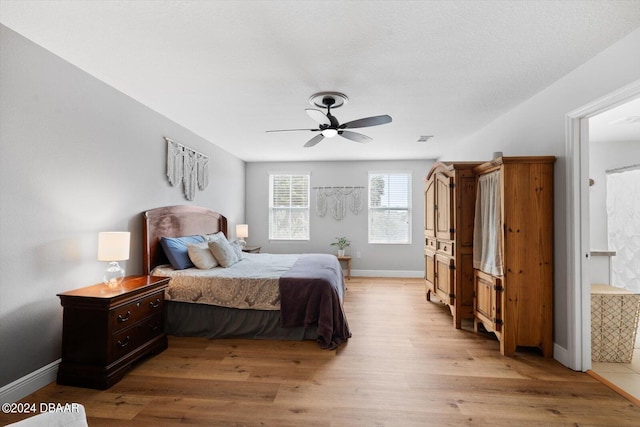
(424, 138)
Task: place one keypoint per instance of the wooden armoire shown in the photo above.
(448, 231)
(514, 295)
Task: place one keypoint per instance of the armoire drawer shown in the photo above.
(445, 247)
(431, 244)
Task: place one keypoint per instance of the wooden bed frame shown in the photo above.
(175, 221)
(186, 319)
(211, 321)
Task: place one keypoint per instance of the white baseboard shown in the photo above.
(387, 273)
(561, 354)
(29, 383)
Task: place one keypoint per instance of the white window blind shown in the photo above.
(289, 206)
(390, 207)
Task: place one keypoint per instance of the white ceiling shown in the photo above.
(230, 70)
(620, 124)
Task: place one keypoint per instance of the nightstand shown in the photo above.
(347, 259)
(252, 249)
(105, 330)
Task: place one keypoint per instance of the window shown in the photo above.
(390, 207)
(289, 206)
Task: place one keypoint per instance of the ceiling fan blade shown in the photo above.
(355, 136)
(318, 116)
(291, 130)
(367, 121)
(313, 141)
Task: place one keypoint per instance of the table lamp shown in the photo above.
(242, 231)
(113, 246)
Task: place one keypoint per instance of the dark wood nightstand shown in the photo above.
(105, 330)
(252, 249)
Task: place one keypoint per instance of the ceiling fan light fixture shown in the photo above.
(329, 133)
(329, 126)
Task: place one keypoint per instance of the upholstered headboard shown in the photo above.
(175, 221)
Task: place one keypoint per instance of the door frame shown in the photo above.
(577, 220)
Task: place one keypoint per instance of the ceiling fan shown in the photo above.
(329, 125)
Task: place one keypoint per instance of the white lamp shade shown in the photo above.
(113, 245)
(242, 230)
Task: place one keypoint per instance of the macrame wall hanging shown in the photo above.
(188, 167)
(337, 200)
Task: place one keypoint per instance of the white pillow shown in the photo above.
(201, 256)
(214, 236)
(223, 251)
(237, 249)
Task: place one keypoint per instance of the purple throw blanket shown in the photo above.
(312, 292)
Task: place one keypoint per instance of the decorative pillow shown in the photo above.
(201, 256)
(176, 250)
(237, 249)
(224, 252)
(214, 236)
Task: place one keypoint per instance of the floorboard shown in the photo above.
(404, 366)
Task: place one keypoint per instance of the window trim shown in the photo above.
(271, 208)
(408, 209)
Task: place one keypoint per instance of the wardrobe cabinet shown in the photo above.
(448, 231)
(513, 252)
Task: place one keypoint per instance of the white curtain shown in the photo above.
(623, 221)
(487, 230)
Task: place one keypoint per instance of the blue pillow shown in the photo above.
(176, 250)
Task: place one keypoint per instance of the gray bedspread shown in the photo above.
(312, 291)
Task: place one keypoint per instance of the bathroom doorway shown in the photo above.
(614, 267)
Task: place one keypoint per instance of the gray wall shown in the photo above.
(76, 157)
(376, 259)
(537, 127)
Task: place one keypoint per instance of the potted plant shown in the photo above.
(341, 243)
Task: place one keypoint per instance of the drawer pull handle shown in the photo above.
(155, 304)
(123, 344)
(154, 326)
(124, 318)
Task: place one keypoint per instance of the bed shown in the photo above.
(263, 296)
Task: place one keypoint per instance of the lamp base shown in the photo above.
(113, 275)
(242, 242)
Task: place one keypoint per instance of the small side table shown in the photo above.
(347, 259)
(252, 249)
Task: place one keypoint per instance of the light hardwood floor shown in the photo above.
(404, 366)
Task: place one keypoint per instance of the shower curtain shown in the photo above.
(623, 221)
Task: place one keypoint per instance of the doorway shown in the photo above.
(614, 236)
(578, 351)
